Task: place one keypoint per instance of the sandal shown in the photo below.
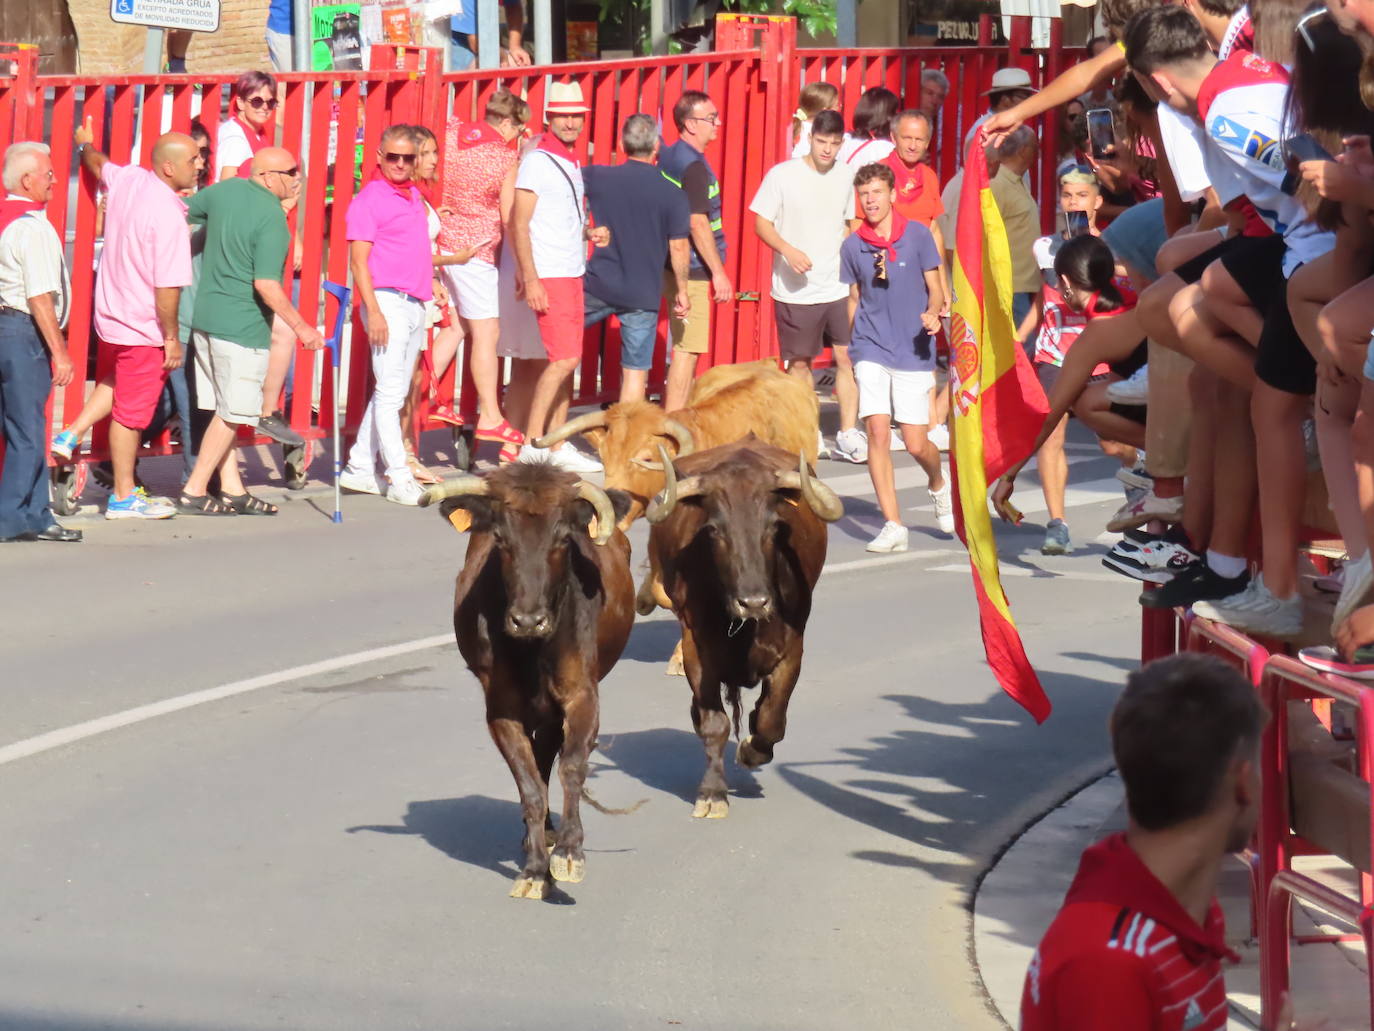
(509, 453)
(502, 433)
(420, 472)
(246, 504)
(202, 505)
(445, 413)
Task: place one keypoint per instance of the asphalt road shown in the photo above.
(333, 850)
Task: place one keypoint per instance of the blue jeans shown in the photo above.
(460, 55)
(25, 380)
(1020, 307)
(638, 330)
(176, 400)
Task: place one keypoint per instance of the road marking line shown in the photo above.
(1022, 571)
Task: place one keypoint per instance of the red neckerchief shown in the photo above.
(870, 236)
(548, 141)
(256, 140)
(1128, 302)
(478, 133)
(12, 209)
(910, 181)
(402, 189)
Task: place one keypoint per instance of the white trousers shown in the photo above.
(393, 368)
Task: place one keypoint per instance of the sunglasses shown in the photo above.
(398, 159)
(879, 267)
(293, 171)
(1306, 20)
(258, 103)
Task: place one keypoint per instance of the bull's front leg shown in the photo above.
(516, 748)
(713, 727)
(768, 721)
(581, 722)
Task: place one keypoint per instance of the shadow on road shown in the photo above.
(475, 829)
(673, 761)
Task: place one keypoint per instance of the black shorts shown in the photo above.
(1282, 360)
(804, 330)
(1191, 270)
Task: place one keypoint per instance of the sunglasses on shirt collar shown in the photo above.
(880, 268)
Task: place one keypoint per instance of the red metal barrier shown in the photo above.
(753, 77)
(1285, 679)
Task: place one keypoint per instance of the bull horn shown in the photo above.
(583, 423)
(819, 498)
(686, 443)
(455, 488)
(661, 507)
(601, 503)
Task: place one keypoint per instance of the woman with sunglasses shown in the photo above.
(252, 110)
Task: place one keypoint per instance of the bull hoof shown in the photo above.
(711, 808)
(566, 868)
(529, 888)
(750, 757)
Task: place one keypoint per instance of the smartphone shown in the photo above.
(1101, 132)
(1298, 149)
(1075, 224)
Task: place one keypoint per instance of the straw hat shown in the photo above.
(1005, 79)
(565, 98)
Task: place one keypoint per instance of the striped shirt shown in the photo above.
(1112, 964)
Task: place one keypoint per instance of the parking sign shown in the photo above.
(196, 15)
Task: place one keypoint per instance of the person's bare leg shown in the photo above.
(443, 348)
(1203, 337)
(1235, 478)
(681, 371)
(634, 385)
(98, 406)
(801, 368)
(1277, 418)
(558, 414)
(279, 353)
(215, 446)
(846, 389)
(548, 395)
(880, 466)
(1199, 485)
(1118, 435)
(486, 370)
(525, 373)
(927, 455)
(1053, 467)
(123, 456)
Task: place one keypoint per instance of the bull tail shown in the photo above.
(587, 797)
(732, 695)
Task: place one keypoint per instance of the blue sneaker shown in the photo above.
(64, 445)
(137, 506)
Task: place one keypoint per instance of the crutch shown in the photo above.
(335, 344)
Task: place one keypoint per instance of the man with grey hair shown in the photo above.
(34, 294)
(1020, 217)
(934, 90)
(650, 221)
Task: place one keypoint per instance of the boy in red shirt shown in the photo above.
(1140, 940)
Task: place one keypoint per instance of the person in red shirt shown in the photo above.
(1140, 941)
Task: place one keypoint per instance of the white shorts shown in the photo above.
(519, 327)
(475, 289)
(903, 395)
(229, 378)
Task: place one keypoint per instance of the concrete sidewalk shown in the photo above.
(1021, 894)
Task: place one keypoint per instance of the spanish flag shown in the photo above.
(999, 407)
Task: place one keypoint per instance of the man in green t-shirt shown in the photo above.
(240, 288)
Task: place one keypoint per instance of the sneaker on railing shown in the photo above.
(1146, 506)
(1198, 583)
(1256, 610)
(1134, 391)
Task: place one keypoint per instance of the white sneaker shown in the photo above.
(1256, 611)
(892, 537)
(822, 448)
(529, 454)
(852, 446)
(405, 492)
(1136, 478)
(1133, 391)
(1356, 580)
(574, 461)
(1144, 507)
(360, 483)
(939, 436)
(944, 506)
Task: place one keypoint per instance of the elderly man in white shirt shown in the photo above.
(34, 292)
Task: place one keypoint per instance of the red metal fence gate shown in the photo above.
(753, 77)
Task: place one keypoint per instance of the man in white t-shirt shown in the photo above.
(549, 234)
(801, 212)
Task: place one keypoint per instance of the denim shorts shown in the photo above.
(1136, 235)
(638, 331)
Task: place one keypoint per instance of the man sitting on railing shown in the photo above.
(1140, 940)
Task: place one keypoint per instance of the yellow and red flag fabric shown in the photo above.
(999, 407)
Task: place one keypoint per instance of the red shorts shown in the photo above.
(560, 327)
(138, 381)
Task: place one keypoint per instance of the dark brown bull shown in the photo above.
(543, 608)
(739, 538)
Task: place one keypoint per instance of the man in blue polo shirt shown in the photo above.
(650, 220)
(462, 49)
(894, 306)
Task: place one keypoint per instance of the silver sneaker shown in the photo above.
(1256, 611)
(1357, 579)
(852, 446)
(892, 537)
(944, 506)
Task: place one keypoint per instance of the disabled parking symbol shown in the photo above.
(124, 6)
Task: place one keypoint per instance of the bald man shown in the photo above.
(144, 264)
(240, 290)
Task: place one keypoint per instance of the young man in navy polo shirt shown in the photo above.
(893, 272)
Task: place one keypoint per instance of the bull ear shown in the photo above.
(467, 512)
(620, 503)
(595, 436)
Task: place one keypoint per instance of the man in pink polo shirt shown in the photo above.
(143, 266)
(389, 249)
